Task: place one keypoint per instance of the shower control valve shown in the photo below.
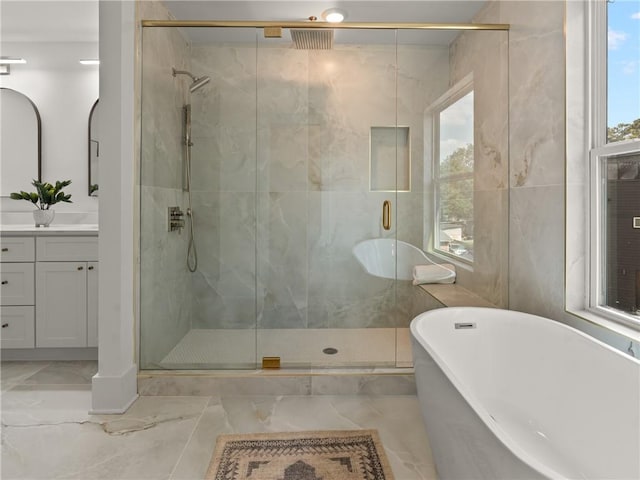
(175, 219)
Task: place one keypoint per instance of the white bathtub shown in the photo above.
(516, 396)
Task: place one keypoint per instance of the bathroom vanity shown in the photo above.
(49, 291)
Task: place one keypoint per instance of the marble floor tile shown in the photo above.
(45, 404)
(397, 419)
(145, 442)
(77, 372)
(12, 373)
(48, 433)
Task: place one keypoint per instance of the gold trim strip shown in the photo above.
(337, 26)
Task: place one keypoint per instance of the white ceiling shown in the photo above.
(427, 11)
(77, 20)
(432, 11)
(49, 21)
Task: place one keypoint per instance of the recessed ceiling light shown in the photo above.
(90, 62)
(10, 60)
(334, 15)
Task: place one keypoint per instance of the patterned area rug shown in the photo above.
(322, 455)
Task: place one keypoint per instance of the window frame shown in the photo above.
(451, 96)
(598, 151)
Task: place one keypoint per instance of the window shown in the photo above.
(453, 172)
(615, 161)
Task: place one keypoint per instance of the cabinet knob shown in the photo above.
(5, 325)
(5, 249)
(5, 282)
(80, 268)
(90, 268)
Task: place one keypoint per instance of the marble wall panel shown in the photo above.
(165, 294)
(537, 156)
(282, 260)
(224, 286)
(223, 119)
(225, 161)
(536, 251)
(283, 158)
(230, 96)
(536, 90)
(163, 96)
(485, 56)
(311, 147)
(491, 246)
(351, 88)
(423, 76)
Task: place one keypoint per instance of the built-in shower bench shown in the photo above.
(453, 295)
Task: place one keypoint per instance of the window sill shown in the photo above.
(597, 318)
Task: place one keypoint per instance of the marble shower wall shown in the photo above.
(484, 54)
(536, 153)
(305, 164)
(165, 293)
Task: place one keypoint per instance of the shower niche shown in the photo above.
(390, 159)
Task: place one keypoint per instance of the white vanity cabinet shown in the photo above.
(17, 292)
(65, 269)
(49, 291)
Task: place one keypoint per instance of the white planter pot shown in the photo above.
(43, 217)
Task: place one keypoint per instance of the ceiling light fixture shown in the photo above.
(334, 15)
(11, 60)
(90, 62)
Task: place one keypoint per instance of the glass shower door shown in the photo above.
(205, 318)
(323, 116)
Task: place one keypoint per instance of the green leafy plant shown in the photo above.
(45, 194)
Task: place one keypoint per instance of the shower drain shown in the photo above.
(330, 351)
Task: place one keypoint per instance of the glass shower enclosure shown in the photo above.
(264, 161)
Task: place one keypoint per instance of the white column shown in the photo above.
(114, 386)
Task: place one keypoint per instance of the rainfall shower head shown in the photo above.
(312, 39)
(197, 81)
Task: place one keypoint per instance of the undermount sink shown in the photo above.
(380, 256)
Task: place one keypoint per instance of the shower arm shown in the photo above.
(183, 72)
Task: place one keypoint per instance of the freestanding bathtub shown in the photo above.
(507, 395)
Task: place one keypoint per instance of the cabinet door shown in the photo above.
(61, 304)
(92, 304)
(17, 327)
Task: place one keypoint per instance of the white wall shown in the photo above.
(64, 92)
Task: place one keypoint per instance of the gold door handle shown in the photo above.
(386, 215)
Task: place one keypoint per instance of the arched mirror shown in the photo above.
(94, 149)
(20, 142)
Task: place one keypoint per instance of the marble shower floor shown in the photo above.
(213, 348)
(47, 432)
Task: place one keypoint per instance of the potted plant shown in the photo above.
(44, 196)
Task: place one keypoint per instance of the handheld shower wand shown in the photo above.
(197, 82)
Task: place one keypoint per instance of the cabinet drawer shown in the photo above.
(18, 327)
(60, 249)
(17, 249)
(18, 285)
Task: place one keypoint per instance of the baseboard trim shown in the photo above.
(114, 394)
(53, 354)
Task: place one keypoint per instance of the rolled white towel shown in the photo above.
(440, 273)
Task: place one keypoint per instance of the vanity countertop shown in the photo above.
(52, 230)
